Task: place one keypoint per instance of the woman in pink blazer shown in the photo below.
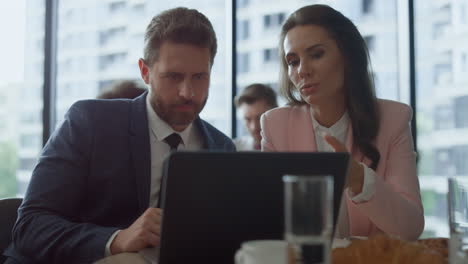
(332, 107)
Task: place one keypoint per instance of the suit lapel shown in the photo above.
(208, 141)
(140, 150)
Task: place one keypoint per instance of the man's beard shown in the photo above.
(177, 118)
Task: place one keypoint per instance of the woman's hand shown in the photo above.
(356, 171)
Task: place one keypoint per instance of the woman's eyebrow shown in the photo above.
(314, 47)
(308, 49)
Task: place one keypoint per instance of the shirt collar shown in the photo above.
(160, 128)
(339, 127)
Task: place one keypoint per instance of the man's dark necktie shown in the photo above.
(173, 140)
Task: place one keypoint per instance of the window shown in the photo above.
(242, 3)
(273, 20)
(460, 158)
(270, 55)
(442, 73)
(243, 29)
(116, 34)
(462, 13)
(444, 161)
(111, 60)
(21, 75)
(243, 64)
(440, 29)
(139, 8)
(93, 50)
(380, 33)
(442, 143)
(27, 163)
(85, 31)
(443, 117)
(370, 43)
(367, 6)
(30, 141)
(29, 117)
(463, 63)
(103, 84)
(3, 124)
(267, 21)
(451, 161)
(112, 35)
(117, 6)
(281, 18)
(461, 110)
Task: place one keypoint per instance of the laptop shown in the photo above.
(214, 201)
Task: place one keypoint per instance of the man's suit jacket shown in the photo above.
(396, 207)
(93, 177)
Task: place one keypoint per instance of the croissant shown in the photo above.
(438, 244)
(382, 249)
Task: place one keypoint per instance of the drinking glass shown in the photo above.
(458, 219)
(308, 217)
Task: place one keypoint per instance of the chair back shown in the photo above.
(8, 215)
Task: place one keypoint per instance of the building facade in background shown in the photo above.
(9, 97)
(29, 115)
(442, 99)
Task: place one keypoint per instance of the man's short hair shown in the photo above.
(179, 25)
(256, 92)
(122, 89)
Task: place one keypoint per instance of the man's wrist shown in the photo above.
(109, 250)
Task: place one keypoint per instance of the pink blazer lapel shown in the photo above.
(355, 152)
(303, 137)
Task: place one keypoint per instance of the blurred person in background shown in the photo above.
(252, 102)
(128, 89)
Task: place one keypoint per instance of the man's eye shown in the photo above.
(199, 76)
(174, 76)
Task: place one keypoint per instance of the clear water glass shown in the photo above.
(308, 218)
(458, 219)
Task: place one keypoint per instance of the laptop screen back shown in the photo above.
(214, 201)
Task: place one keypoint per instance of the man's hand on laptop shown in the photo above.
(144, 232)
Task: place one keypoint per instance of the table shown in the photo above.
(381, 249)
(123, 258)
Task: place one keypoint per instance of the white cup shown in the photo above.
(262, 252)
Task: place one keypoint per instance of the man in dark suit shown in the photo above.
(95, 191)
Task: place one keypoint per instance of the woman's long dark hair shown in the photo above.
(360, 98)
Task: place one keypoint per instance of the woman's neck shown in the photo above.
(328, 114)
